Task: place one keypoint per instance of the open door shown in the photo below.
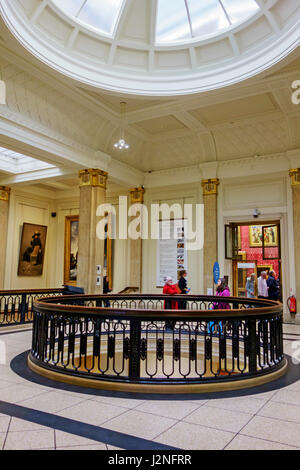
(231, 242)
(271, 249)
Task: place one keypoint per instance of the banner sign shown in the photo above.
(171, 250)
(216, 271)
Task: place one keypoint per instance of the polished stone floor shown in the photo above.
(36, 413)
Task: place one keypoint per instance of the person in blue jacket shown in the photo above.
(272, 284)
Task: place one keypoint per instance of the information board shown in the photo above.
(171, 250)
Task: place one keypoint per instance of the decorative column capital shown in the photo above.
(137, 195)
(4, 193)
(92, 177)
(295, 176)
(210, 186)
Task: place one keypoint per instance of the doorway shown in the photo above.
(253, 248)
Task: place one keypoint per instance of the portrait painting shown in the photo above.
(256, 234)
(32, 250)
(71, 249)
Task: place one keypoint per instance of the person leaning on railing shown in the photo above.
(182, 288)
(170, 289)
(222, 291)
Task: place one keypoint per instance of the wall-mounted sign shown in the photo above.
(216, 271)
(246, 265)
(171, 250)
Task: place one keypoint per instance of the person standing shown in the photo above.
(222, 291)
(170, 289)
(183, 288)
(262, 285)
(250, 287)
(273, 292)
(106, 290)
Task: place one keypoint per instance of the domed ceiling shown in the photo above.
(176, 20)
(156, 47)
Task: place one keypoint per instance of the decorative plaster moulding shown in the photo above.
(124, 63)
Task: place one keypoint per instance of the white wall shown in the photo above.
(34, 210)
(37, 208)
(180, 194)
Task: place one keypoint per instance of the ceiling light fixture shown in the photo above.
(121, 144)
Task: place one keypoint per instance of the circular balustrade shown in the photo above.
(139, 343)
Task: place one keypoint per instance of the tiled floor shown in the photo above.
(43, 415)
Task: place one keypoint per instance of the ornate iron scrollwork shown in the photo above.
(208, 348)
(193, 349)
(111, 346)
(160, 349)
(126, 348)
(176, 349)
(143, 353)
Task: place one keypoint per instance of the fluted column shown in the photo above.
(295, 181)
(135, 278)
(4, 207)
(92, 183)
(210, 251)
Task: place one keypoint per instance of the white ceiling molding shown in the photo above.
(127, 64)
(70, 156)
(33, 177)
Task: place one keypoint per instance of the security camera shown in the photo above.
(256, 213)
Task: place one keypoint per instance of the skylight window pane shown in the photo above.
(101, 14)
(14, 162)
(172, 21)
(207, 16)
(69, 6)
(240, 10)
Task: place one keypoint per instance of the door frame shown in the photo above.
(238, 223)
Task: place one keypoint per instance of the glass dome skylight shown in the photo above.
(187, 19)
(156, 47)
(177, 20)
(101, 14)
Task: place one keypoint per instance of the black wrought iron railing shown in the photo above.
(16, 305)
(134, 339)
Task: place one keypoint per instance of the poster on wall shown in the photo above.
(71, 249)
(32, 250)
(171, 250)
(255, 236)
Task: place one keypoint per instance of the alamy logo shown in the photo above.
(138, 221)
(296, 93)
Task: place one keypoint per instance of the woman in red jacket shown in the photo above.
(170, 289)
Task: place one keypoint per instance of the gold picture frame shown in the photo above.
(255, 236)
(32, 250)
(71, 249)
(264, 267)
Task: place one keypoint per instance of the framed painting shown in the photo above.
(270, 235)
(32, 250)
(265, 267)
(71, 249)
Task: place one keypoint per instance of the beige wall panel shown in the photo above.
(254, 194)
(181, 195)
(33, 211)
